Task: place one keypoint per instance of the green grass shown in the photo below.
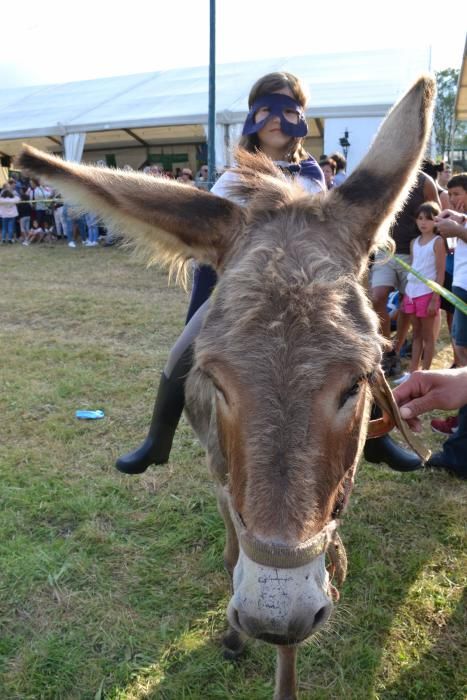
(113, 587)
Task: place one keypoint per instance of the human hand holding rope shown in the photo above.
(428, 390)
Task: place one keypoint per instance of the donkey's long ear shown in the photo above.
(368, 200)
(168, 221)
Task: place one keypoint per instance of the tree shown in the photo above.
(448, 131)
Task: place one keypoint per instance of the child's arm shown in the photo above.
(440, 259)
(411, 251)
(440, 262)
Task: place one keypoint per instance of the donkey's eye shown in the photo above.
(220, 393)
(353, 391)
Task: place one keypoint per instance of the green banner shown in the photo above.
(437, 288)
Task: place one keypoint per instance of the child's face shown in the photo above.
(271, 136)
(425, 224)
(458, 198)
(328, 174)
(444, 176)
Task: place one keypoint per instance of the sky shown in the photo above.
(65, 41)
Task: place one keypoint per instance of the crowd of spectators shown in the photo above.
(184, 175)
(34, 213)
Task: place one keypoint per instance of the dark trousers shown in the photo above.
(204, 281)
(455, 447)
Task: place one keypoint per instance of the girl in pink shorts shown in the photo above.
(428, 256)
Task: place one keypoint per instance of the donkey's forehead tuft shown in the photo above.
(291, 320)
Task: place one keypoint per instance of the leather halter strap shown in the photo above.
(281, 556)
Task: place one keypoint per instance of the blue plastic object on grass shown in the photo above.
(89, 415)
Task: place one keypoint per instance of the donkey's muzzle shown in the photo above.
(279, 606)
(298, 629)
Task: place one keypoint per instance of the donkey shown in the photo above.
(287, 359)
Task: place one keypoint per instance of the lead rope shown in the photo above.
(338, 565)
(338, 557)
(383, 396)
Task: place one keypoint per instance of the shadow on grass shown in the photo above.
(441, 667)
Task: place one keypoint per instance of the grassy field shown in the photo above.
(112, 586)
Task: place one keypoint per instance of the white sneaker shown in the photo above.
(72, 244)
(25, 242)
(402, 379)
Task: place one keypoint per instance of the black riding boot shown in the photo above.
(168, 409)
(384, 449)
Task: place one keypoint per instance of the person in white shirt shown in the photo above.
(428, 257)
(8, 213)
(452, 223)
(37, 195)
(341, 165)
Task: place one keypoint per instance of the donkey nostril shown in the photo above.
(321, 616)
(303, 627)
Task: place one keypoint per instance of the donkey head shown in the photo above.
(280, 390)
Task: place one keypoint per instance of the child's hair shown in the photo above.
(339, 160)
(329, 161)
(459, 180)
(430, 209)
(265, 86)
(431, 168)
(6, 193)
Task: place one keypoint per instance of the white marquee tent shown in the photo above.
(349, 91)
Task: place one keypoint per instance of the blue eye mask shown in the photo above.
(277, 105)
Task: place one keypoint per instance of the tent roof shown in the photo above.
(344, 84)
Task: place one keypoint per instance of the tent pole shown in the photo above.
(212, 95)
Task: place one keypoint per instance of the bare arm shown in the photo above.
(425, 391)
(411, 251)
(430, 192)
(440, 262)
(444, 199)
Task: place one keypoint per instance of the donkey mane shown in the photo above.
(263, 186)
